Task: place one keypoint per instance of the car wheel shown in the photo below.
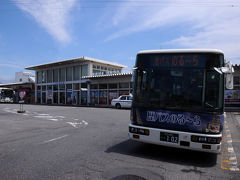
(118, 106)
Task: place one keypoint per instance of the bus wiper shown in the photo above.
(209, 105)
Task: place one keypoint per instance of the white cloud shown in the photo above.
(212, 24)
(53, 15)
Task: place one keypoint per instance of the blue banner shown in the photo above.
(180, 121)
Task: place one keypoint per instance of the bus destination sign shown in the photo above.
(175, 60)
(179, 61)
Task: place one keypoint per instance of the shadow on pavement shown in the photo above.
(162, 153)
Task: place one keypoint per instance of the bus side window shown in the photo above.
(212, 89)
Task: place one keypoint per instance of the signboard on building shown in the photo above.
(232, 96)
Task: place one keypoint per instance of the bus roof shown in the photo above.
(215, 51)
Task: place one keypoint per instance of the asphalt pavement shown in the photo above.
(57, 142)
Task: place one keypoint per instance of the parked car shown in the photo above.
(124, 101)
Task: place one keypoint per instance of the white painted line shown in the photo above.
(72, 124)
(55, 139)
(86, 123)
(238, 119)
(10, 111)
(44, 117)
(43, 114)
(60, 116)
(232, 155)
(232, 158)
(234, 168)
(53, 119)
(76, 119)
(230, 149)
(233, 162)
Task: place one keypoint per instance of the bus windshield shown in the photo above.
(177, 87)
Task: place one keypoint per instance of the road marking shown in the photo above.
(53, 119)
(234, 168)
(55, 139)
(10, 111)
(44, 117)
(230, 149)
(60, 116)
(86, 123)
(228, 156)
(75, 124)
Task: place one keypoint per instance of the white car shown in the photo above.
(124, 101)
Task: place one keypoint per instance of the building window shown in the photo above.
(49, 76)
(84, 70)
(43, 88)
(20, 79)
(49, 87)
(49, 96)
(44, 97)
(123, 93)
(55, 87)
(69, 93)
(112, 86)
(39, 96)
(76, 87)
(39, 77)
(62, 87)
(94, 86)
(55, 75)
(55, 97)
(62, 97)
(76, 72)
(62, 72)
(44, 77)
(103, 97)
(102, 86)
(94, 97)
(69, 73)
(124, 85)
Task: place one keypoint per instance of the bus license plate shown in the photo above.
(169, 137)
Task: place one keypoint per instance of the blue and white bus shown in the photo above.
(178, 98)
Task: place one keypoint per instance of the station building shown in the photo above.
(80, 81)
(24, 82)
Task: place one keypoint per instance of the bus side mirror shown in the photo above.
(229, 75)
(228, 70)
(229, 81)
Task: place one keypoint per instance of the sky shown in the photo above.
(34, 32)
